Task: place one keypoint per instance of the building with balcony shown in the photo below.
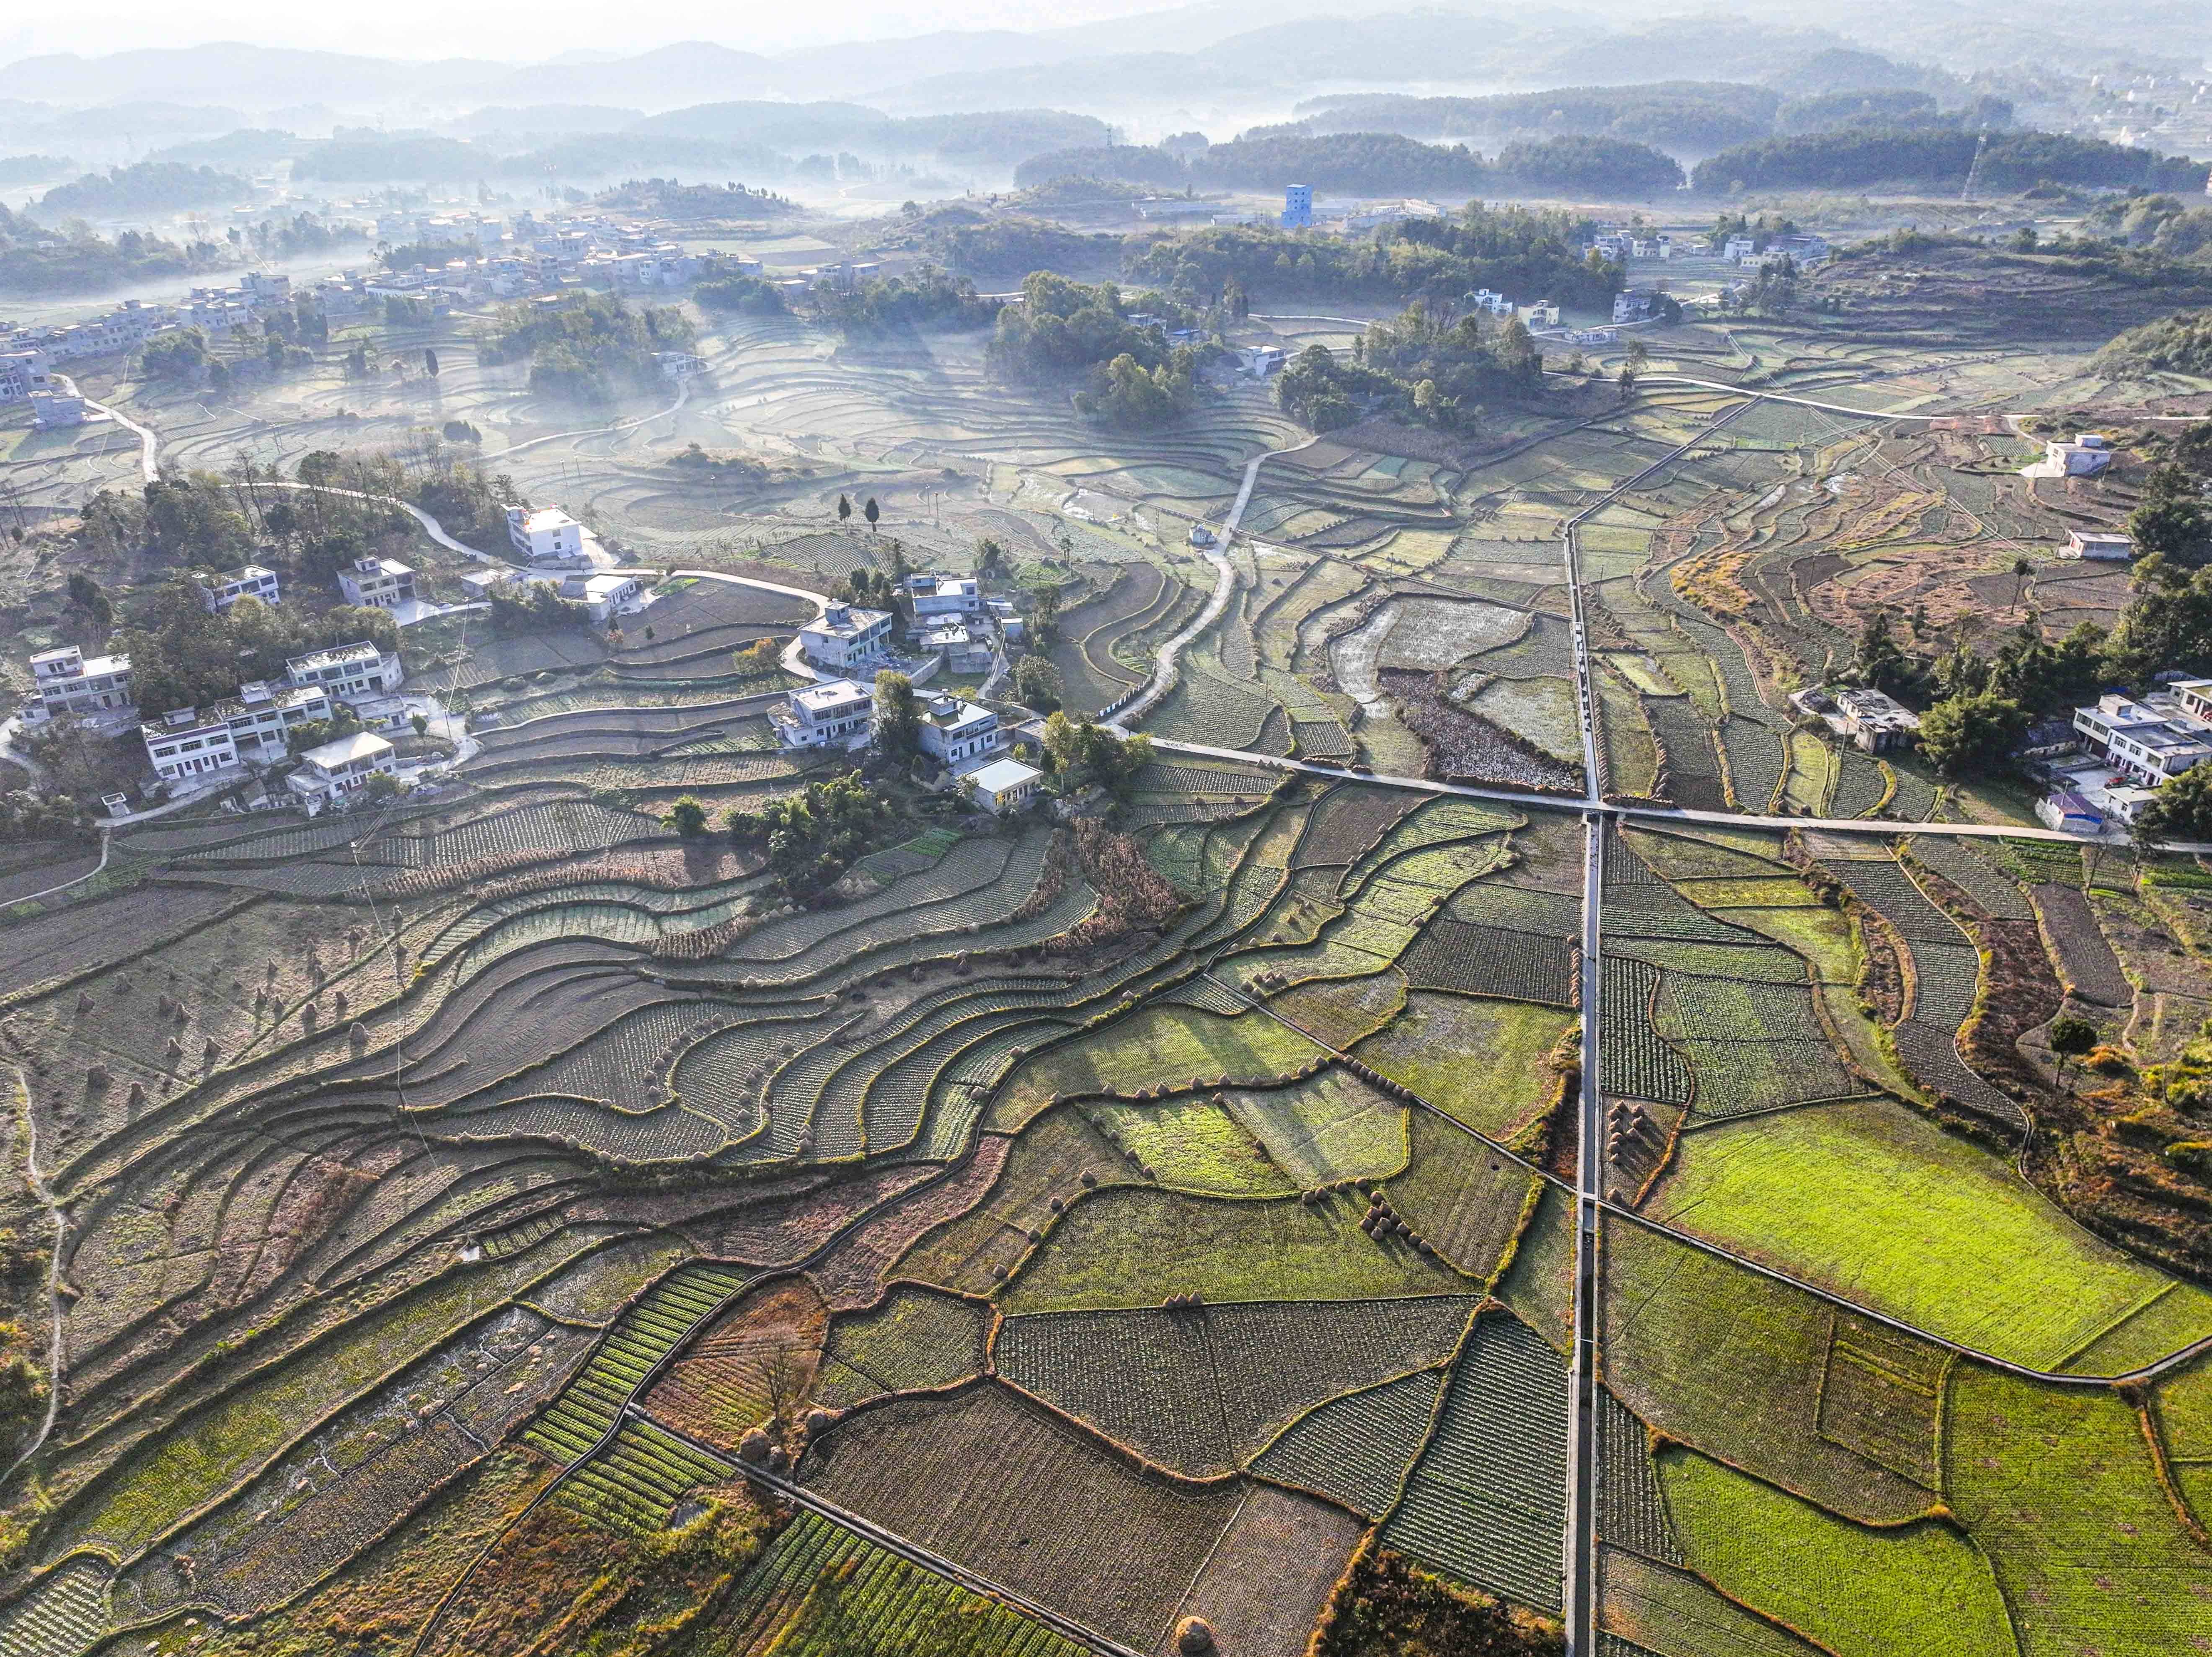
(2152, 741)
(832, 714)
(221, 590)
(844, 638)
(384, 582)
(958, 735)
(92, 687)
(543, 535)
(333, 774)
(346, 671)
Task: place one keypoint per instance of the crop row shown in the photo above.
(1637, 1063)
(1691, 1008)
(1439, 823)
(821, 1591)
(1650, 911)
(64, 1615)
(626, 1063)
(1944, 977)
(1884, 887)
(916, 1339)
(1486, 1502)
(579, 1419)
(1179, 777)
(637, 1480)
(1356, 1449)
(974, 865)
(1203, 1390)
(1631, 1512)
(1736, 1077)
(1453, 954)
(1348, 819)
(1519, 908)
(1930, 1053)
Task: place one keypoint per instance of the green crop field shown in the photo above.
(1869, 1200)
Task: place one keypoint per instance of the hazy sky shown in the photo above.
(518, 30)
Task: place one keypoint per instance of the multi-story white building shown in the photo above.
(2153, 741)
(2089, 455)
(383, 582)
(183, 745)
(543, 535)
(959, 735)
(55, 410)
(23, 375)
(92, 688)
(349, 672)
(254, 727)
(842, 637)
(944, 595)
(333, 773)
(220, 591)
(835, 713)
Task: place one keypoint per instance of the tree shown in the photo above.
(898, 716)
(871, 511)
(1632, 367)
(1085, 752)
(419, 722)
(2175, 526)
(1880, 664)
(2074, 1038)
(430, 362)
(92, 603)
(1036, 684)
(2021, 569)
(990, 557)
(1044, 616)
(2180, 809)
(844, 509)
(688, 817)
(1971, 734)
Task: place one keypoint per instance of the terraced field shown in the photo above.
(497, 1223)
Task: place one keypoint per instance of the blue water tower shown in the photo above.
(1297, 206)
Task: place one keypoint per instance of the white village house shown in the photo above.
(833, 712)
(844, 637)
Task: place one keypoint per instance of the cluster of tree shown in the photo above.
(666, 198)
(74, 260)
(1438, 369)
(1015, 244)
(429, 254)
(179, 354)
(1372, 163)
(1124, 393)
(144, 187)
(2162, 224)
(589, 349)
(533, 607)
(812, 838)
(750, 296)
(1690, 115)
(25, 814)
(1063, 329)
(1080, 752)
(1888, 106)
(303, 233)
(1856, 158)
(739, 468)
(183, 655)
(928, 298)
(998, 136)
(1524, 251)
(2177, 344)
